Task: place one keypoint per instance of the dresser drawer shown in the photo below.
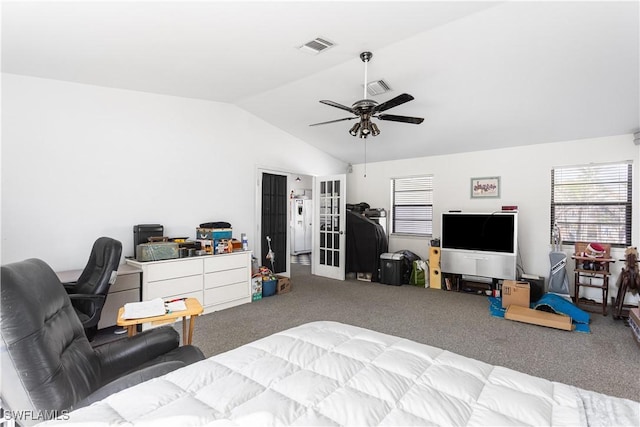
(226, 277)
(225, 262)
(174, 269)
(126, 282)
(226, 293)
(173, 287)
(197, 295)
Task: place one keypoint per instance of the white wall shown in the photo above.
(81, 161)
(525, 174)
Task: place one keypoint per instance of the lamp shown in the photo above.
(364, 128)
(298, 179)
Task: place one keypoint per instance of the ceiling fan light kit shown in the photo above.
(366, 109)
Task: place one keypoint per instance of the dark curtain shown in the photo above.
(366, 241)
(274, 220)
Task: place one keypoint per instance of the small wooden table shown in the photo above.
(193, 310)
(600, 271)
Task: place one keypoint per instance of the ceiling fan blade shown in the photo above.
(333, 121)
(403, 119)
(340, 106)
(393, 102)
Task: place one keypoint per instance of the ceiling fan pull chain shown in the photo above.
(365, 158)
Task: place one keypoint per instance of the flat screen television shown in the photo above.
(480, 244)
(490, 232)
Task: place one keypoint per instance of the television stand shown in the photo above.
(458, 283)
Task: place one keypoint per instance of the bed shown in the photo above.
(329, 373)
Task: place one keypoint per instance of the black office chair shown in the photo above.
(89, 293)
(49, 366)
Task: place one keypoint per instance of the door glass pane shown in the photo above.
(329, 245)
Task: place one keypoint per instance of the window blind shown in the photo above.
(412, 205)
(592, 203)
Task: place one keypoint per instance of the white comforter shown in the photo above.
(327, 373)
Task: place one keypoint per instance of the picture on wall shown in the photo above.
(486, 187)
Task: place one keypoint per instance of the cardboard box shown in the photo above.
(515, 293)
(213, 233)
(365, 277)
(283, 286)
(537, 317)
(256, 288)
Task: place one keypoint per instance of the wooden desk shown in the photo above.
(193, 310)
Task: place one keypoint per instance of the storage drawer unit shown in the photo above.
(217, 281)
(227, 279)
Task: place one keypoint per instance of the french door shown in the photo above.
(329, 226)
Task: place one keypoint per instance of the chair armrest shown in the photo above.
(129, 380)
(87, 297)
(70, 287)
(97, 302)
(123, 355)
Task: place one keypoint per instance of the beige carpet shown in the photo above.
(607, 360)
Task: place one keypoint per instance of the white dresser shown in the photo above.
(217, 281)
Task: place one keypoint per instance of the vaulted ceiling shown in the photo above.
(484, 74)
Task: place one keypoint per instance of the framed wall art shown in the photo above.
(485, 188)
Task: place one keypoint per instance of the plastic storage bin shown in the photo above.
(269, 287)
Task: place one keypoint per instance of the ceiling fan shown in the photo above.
(366, 109)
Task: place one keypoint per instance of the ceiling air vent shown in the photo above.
(316, 45)
(378, 87)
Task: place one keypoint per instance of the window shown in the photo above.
(412, 201)
(592, 203)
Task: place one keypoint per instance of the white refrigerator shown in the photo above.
(301, 220)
